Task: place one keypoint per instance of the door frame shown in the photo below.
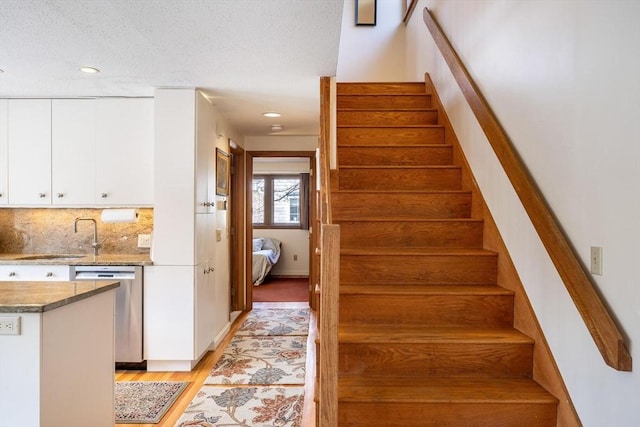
(237, 227)
(250, 155)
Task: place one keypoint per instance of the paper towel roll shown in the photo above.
(112, 216)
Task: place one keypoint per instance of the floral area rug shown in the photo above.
(245, 406)
(276, 321)
(145, 402)
(259, 379)
(263, 360)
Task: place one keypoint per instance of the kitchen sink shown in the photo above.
(61, 257)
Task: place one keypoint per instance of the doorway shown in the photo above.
(279, 213)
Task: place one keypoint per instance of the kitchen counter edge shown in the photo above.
(67, 293)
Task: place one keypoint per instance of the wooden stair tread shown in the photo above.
(407, 167)
(382, 126)
(447, 390)
(412, 192)
(404, 251)
(380, 88)
(402, 334)
(419, 220)
(416, 289)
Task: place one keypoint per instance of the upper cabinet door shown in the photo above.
(205, 155)
(4, 161)
(124, 151)
(73, 151)
(29, 145)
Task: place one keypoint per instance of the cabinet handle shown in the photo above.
(211, 269)
(42, 195)
(12, 274)
(0, 194)
(49, 274)
(205, 271)
(60, 195)
(104, 195)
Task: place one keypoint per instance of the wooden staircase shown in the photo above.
(426, 335)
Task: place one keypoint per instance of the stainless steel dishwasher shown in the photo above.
(128, 306)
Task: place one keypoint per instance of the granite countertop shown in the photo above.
(38, 297)
(75, 259)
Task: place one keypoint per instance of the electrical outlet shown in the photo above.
(10, 325)
(596, 260)
(144, 240)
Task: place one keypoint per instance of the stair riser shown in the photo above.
(380, 88)
(395, 156)
(349, 206)
(400, 179)
(389, 136)
(412, 234)
(446, 414)
(372, 269)
(437, 360)
(384, 102)
(387, 118)
(428, 310)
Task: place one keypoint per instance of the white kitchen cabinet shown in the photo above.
(4, 161)
(35, 273)
(29, 145)
(205, 237)
(183, 281)
(124, 151)
(73, 151)
(179, 315)
(205, 307)
(205, 156)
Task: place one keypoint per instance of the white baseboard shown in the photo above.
(171, 365)
(221, 335)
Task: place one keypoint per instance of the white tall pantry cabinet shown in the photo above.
(184, 313)
(4, 161)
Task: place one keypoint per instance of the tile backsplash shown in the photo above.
(50, 231)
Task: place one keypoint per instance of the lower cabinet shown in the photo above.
(36, 273)
(180, 316)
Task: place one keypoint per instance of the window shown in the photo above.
(279, 201)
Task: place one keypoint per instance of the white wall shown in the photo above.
(370, 53)
(562, 77)
(281, 143)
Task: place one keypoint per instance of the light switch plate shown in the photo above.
(596, 260)
(144, 240)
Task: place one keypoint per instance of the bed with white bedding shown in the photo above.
(266, 253)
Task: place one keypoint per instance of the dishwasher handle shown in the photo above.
(103, 275)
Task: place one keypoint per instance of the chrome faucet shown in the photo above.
(95, 243)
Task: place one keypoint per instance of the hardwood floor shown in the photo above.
(199, 374)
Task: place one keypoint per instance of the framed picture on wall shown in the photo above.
(222, 173)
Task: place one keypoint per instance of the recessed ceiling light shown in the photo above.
(271, 114)
(276, 128)
(89, 70)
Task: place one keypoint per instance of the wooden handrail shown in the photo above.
(410, 8)
(597, 318)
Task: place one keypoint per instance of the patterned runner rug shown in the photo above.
(276, 321)
(245, 406)
(258, 381)
(145, 402)
(263, 360)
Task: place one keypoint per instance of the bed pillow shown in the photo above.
(257, 244)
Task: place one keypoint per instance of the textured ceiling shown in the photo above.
(249, 56)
